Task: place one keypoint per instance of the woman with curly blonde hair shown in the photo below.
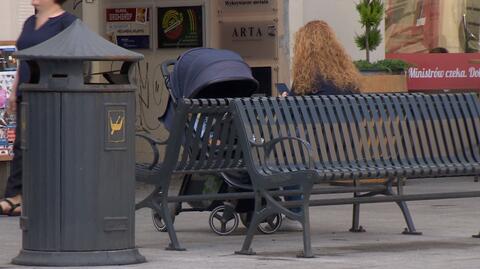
(321, 64)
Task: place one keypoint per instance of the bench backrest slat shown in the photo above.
(389, 123)
(461, 130)
(206, 139)
(279, 150)
(454, 128)
(394, 135)
(319, 134)
(351, 125)
(436, 133)
(422, 132)
(473, 123)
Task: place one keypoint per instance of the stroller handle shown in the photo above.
(167, 75)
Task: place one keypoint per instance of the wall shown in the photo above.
(75, 7)
(292, 14)
(14, 13)
(343, 18)
(152, 95)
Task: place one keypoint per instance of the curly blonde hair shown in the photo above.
(319, 57)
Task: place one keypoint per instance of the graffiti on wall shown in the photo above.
(152, 95)
(77, 4)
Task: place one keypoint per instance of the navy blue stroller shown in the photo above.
(211, 73)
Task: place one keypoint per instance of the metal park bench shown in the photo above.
(300, 141)
(202, 140)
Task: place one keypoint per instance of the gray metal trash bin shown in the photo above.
(79, 155)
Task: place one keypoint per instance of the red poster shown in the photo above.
(121, 14)
(439, 71)
(129, 27)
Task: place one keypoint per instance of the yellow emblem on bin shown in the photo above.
(116, 126)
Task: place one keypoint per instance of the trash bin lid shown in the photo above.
(78, 42)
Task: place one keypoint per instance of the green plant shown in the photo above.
(371, 15)
(387, 65)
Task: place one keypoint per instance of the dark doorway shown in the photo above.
(264, 76)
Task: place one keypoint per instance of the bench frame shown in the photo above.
(189, 150)
(251, 115)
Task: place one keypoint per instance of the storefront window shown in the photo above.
(471, 26)
(418, 26)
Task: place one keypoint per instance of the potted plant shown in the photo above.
(385, 75)
(390, 66)
(371, 15)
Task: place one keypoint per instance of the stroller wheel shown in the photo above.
(223, 220)
(158, 221)
(271, 224)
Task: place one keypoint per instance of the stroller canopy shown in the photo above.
(201, 73)
(209, 73)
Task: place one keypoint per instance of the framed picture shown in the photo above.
(129, 28)
(7, 62)
(8, 67)
(180, 27)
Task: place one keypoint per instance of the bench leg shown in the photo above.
(410, 230)
(356, 228)
(258, 213)
(307, 243)
(476, 179)
(164, 212)
(167, 218)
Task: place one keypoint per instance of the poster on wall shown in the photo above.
(180, 27)
(129, 27)
(8, 67)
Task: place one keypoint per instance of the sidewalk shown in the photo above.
(447, 226)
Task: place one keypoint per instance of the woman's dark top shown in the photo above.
(323, 87)
(328, 88)
(30, 37)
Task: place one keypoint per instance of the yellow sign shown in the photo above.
(116, 126)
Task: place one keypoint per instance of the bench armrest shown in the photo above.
(269, 146)
(153, 143)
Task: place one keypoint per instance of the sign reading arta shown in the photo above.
(129, 27)
(251, 40)
(247, 5)
(180, 27)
